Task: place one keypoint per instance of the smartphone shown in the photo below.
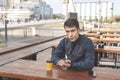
(92, 73)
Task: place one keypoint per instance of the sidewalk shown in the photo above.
(17, 41)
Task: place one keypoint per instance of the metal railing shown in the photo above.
(27, 32)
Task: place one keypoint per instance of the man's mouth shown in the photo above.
(71, 38)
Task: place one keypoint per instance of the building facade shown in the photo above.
(26, 9)
(88, 11)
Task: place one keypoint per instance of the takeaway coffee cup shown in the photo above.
(49, 65)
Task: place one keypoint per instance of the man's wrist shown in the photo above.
(71, 64)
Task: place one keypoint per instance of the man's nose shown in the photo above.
(70, 34)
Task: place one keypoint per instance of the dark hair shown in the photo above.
(71, 22)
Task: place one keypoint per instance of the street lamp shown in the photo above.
(6, 22)
(99, 13)
(5, 19)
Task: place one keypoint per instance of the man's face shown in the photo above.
(72, 33)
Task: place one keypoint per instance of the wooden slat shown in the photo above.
(114, 51)
(105, 31)
(105, 40)
(33, 70)
(14, 54)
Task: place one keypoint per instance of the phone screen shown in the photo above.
(91, 73)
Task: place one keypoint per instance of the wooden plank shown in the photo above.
(18, 53)
(105, 40)
(24, 69)
(104, 35)
(105, 31)
(114, 51)
(33, 70)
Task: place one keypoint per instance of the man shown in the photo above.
(76, 48)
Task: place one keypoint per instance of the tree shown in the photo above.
(117, 18)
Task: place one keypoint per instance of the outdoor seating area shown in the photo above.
(107, 60)
(59, 40)
(107, 47)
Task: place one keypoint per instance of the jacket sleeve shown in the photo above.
(58, 54)
(88, 62)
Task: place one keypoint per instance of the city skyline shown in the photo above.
(57, 5)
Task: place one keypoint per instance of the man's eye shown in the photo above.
(72, 30)
(67, 31)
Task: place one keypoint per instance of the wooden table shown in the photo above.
(104, 35)
(106, 40)
(33, 70)
(115, 50)
(111, 35)
(25, 51)
(104, 31)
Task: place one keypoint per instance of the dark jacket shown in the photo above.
(81, 53)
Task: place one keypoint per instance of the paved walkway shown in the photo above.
(17, 41)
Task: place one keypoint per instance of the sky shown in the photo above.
(57, 5)
(0, 2)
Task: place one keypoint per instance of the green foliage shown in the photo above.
(58, 16)
(109, 20)
(0, 41)
(1, 45)
(117, 18)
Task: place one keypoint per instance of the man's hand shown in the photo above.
(64, 63)
(67, 63)
(61, 63)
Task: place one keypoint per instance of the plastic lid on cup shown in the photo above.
(49, 61)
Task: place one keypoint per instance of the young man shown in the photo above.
(76, 48)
